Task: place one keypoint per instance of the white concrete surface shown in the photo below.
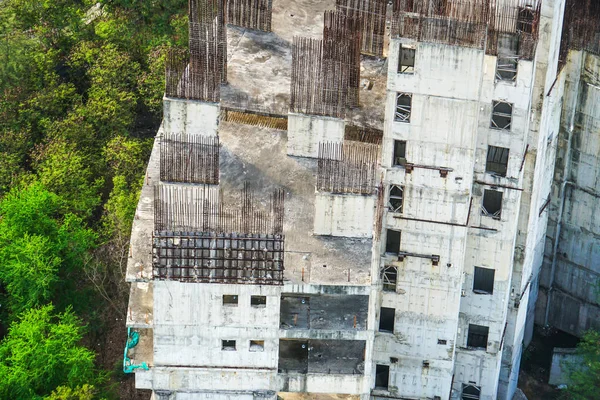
(348, 215)
(305, 132)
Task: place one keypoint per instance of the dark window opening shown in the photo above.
(483, 282)
(406, 60)
(492, 203)
(387, 317)
(257, 345)
(389, 277)
(501, 115)
(230, 299)
(470, 392)
(506, 67)
(258, 301)
(392, 241)
(403, 107)
(442, 341)
(497, 160)
(396, 198)
(399, 152)
(478, 336)
(525, 20)
(228, 345)
(382, 376)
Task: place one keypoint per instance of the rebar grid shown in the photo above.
(200, 209)
(475, 23)
(348, 167)
(372, 14)
(363, 134)
(581, 28)
(341, 59)
(253, 14)
(326, 73)
(189, 159)
(218, 257)
(197, 73)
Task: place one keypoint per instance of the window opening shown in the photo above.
(506, 67)
(258, 301)
(478, 336)
(501, 115)
(525, 20)
(257, 345)
(399, 152)
(483, 281)
(230, 299)
(396, 198)
(470, 392)
(228, 345)
(382, 376)
(497, 160)
(387, 317)
(442, 341)
(403, 107)
(392, 242)
(389, 277)
(492, 203)
(406, 60)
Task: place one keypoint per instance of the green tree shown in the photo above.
(42, 248)
(41, 353)
(85, 392)
(584, 378)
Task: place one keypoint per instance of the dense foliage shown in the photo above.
(585, 377)
(81, 84)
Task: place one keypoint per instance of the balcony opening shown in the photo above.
(478, 336)
(392, 241)
(382, 376)
(258, 301)
(483, 281)
(406, 60)
(389, 277)
(497, 160)
(403, 107)
(501, 115)
(387, 317)
(396, 198)
(230, 300)
(492, 203)
(228, 345)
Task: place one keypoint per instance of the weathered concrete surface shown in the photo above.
(344, 215)
(571, 269)
(190, 117)
(305, 132)
(258, 155)
(563, 362)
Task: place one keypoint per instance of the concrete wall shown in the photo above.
(346, 215)
(571, 269)
(190, 321)
(305, 132)
(563, 361)
(190, 117)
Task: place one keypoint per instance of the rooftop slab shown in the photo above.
(259, 64)
(258, 155)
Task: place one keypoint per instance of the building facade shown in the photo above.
(387, 236)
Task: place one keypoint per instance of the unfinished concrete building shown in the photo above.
(355, 199)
